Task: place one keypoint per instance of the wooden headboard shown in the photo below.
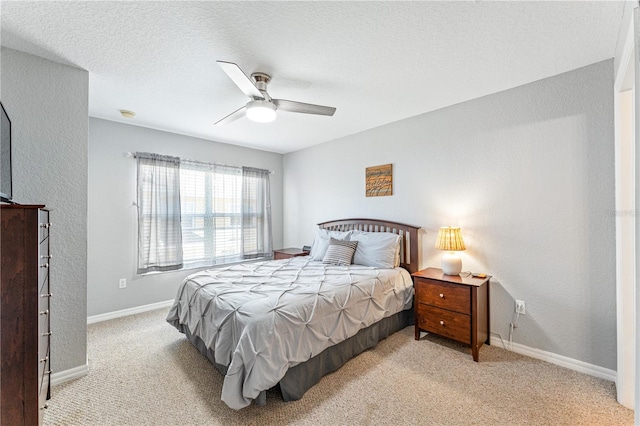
(408, 249)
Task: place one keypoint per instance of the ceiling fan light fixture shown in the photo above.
(261, 111)
(262, 107)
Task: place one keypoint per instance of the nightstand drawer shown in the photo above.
(445, 323)
(443, 295)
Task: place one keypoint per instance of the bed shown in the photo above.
(286, 323)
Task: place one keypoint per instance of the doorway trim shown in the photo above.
(626, 224)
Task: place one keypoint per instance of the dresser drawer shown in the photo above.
(44, 323)
(443, 295)
(44, 365)
(446, 323)
(43, 225)
(44, 380)
(44, 264)
(43, 277)
(43, 320)
(44, 339)
(43, 344)
(43, 297)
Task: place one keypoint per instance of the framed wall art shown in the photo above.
(379, 181)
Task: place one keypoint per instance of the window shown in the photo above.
(224, 214)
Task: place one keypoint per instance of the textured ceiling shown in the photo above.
(376, 62)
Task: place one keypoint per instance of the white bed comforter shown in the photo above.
(260, 319)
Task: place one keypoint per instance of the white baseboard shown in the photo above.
(83, 370)
(126, 312)
(562, 361)
(67, 375)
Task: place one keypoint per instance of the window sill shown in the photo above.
(203, 267)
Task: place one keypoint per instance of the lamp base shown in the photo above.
(451, 264)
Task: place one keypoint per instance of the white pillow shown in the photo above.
(378, 249)
(321, 242)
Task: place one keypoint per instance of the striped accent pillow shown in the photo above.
(340, 252)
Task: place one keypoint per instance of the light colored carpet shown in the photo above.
(143, 372)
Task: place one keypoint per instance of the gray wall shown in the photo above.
(528, 174)
(112, 215)
(48, 106)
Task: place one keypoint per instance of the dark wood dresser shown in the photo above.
(452, 306)
(25, 372)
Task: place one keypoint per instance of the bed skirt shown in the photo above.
(302, 377)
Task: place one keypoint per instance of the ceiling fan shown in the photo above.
(262, 108)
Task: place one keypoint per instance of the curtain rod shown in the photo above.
(133, 155)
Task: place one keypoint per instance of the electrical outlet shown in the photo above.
(520, 307)
(122, 283)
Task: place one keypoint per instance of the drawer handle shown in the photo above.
(45, 225)
(44, 407)
(46, 265)
(441, 296)
(441, 322)
(45, 312)
(48, 333)
(47, 295)
(45, 359)
(48, 256)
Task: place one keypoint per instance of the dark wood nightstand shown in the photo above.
(287, 253)
(452, 306)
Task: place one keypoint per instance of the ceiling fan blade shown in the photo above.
(294, 106)
(235, 115)
(240, 79)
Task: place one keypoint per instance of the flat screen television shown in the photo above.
(5, 157)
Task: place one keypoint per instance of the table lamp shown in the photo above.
(450, 239)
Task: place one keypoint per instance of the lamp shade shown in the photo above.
(261, 111)
(450, 239)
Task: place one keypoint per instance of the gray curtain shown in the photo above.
(159, 230)
(256, 214)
